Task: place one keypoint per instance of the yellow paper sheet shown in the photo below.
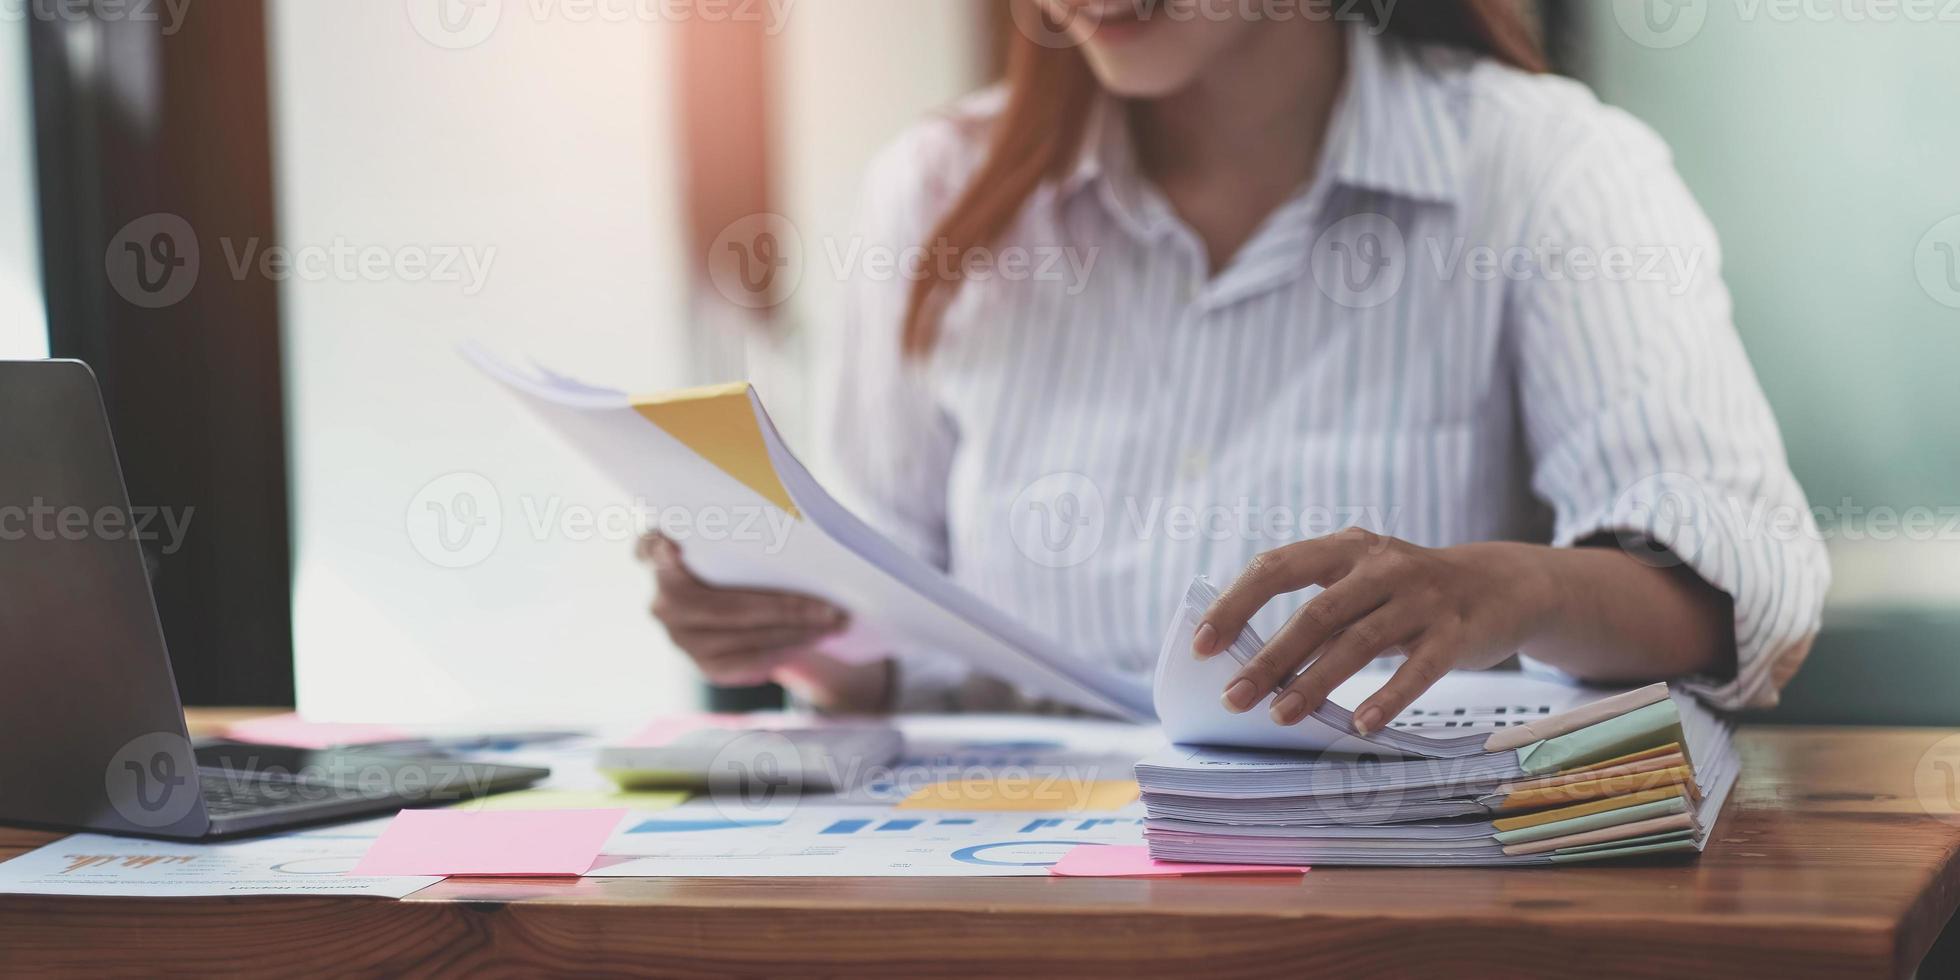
(1033, 794)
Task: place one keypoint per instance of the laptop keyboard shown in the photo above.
(231, 794)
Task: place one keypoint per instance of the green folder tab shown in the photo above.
(1642, 728)
(1593, 821)
(1678, 840)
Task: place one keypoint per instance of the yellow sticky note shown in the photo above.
(1040, 794)
(577, 799)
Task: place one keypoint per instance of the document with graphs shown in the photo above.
(756, 518)
(309, 863)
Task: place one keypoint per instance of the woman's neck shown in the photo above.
(1236, 144)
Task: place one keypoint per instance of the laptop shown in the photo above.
(92, 732)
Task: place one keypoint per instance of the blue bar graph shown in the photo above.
(899, 824)
(845, 827)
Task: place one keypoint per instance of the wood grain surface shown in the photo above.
(1827, 863)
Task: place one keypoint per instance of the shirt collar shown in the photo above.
(1397, 129)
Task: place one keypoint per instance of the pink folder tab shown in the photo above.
(295, 732)
(490, 842)
(1123, 861)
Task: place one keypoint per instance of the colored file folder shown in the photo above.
(1522, 771)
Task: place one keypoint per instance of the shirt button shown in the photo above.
(1195, 465)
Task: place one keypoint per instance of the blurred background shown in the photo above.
(269, 224)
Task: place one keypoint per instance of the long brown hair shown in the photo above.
(1049, 94)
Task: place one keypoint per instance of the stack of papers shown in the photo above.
(759, 520)
(1494, 768)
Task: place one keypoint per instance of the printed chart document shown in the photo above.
(703, 839)
(972, 796)
(302, 864)
(760, 520)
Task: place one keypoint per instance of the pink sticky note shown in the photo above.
(1123, 861)
(296, 732)
(490, 842)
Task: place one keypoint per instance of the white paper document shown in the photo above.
(1455, 718)
(757, 519)
(699, 840)
(306, 864)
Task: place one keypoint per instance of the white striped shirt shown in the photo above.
(1496, 313)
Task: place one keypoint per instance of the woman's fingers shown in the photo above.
(682, 601)
(1309, 629)
(692, 605)
(1322, 561)
(743, 656)
(1426, 665)
(1359, 645)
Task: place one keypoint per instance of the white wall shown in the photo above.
(854, 74)
(23, 316)
(547, 140)
(1821, 138)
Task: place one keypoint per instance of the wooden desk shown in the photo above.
(1826, 864)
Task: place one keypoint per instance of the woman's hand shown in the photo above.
(1467, 606)
(741, 637)
(737, 637)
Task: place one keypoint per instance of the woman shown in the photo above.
(1424, 348)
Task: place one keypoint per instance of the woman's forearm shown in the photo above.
(1609, 616)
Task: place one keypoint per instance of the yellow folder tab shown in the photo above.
(1033, 794)
(1595, 789)
(1641, 756)
(1586, 809)
(718, 422)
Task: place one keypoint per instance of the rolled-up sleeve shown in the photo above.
(1643, 416)
(884, 445)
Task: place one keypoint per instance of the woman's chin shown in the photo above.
(1134, 78)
